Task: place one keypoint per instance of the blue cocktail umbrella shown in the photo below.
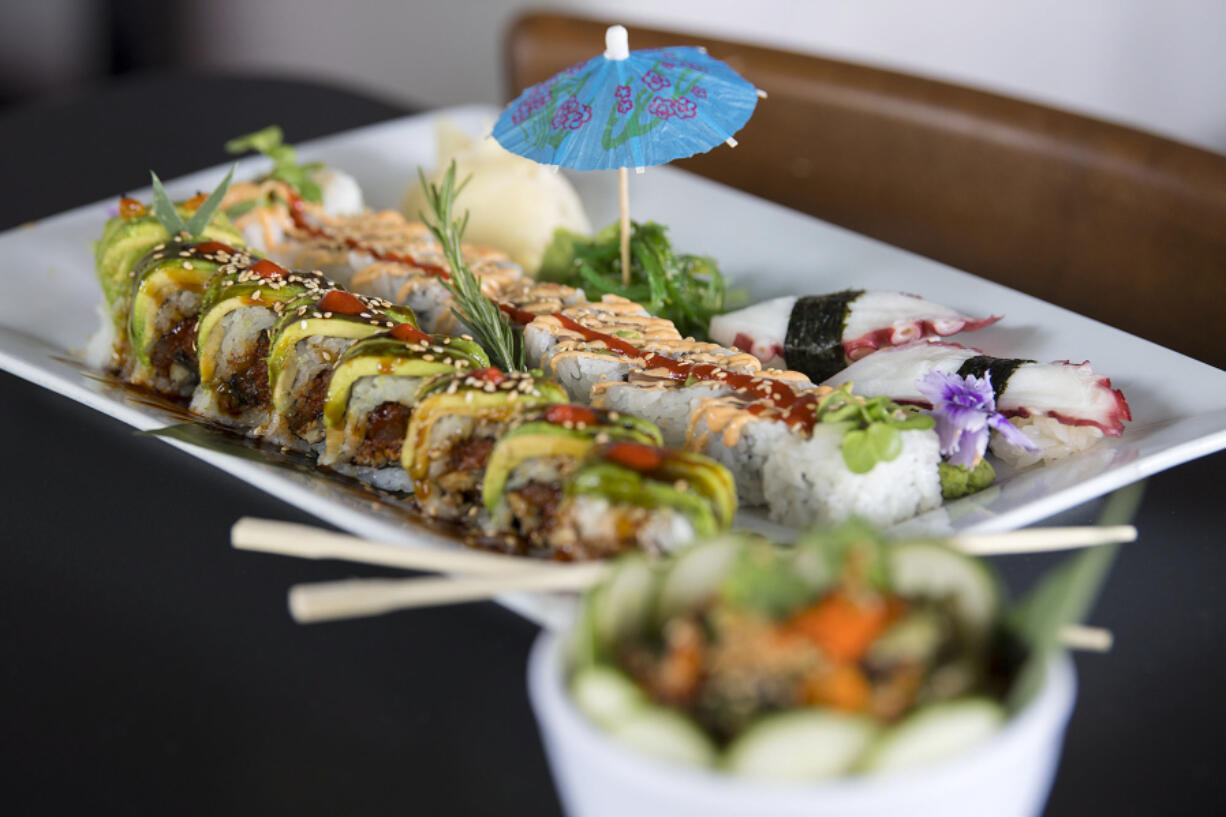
(628, 109)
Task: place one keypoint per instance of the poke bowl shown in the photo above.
(621, 739)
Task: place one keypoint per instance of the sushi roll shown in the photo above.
(523, 481)
(671, 403)
(726, 430)
(1063, 407)
(634, 496)
(457, 421)
(583, 367)
(168, 286)
(820, 334)
(371, 395)
(237, 316)
(612, 315)
(126, 239)
(309, 337)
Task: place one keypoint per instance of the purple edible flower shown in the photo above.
(965, 411)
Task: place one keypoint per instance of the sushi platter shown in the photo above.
(1177, 405)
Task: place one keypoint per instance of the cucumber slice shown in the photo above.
(667, 735)
(606, 695)
(695, 576)
(801, 746)
(581, 647)
(930, 570)
(932, 733)
(811, 565)
(622, 606)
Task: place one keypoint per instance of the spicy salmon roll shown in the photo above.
(126, 239)
(529, 464)
(458, 419)
(634, 496)
(372, 393)
(237, 315)
(310, 336)
(168, 287)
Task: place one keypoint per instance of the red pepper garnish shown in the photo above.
(567, 413)
(195, 201)
(214, 247)
(491, 375)
(341, 303)
(268, 269)
(636, 456)
(131, 208)
(409, 333)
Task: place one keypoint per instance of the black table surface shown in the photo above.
(150, 669)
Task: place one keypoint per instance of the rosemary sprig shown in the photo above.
(165, 211)
(488, 323)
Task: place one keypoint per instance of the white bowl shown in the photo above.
(1009, 775)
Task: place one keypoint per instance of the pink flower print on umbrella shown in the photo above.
(661, 107)
(654, 81)
(684, 108)
(624, 102)
(699, 92)
(571, 114)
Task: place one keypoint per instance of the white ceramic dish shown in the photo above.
(1178, 404)
(1009, 775)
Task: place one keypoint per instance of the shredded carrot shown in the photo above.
(841, 686)
(842, 626)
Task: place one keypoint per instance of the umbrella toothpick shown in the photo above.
(623, 191)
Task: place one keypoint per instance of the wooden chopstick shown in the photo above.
(1040, 540)
(304, 541)
(359, 598)
(356, 598)
(307, 542)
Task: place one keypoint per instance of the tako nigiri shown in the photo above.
(820, 334)
(1063, 407)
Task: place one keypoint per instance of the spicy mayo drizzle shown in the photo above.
(296, 209)
(779, 400)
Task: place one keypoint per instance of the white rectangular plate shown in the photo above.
(1178, 404)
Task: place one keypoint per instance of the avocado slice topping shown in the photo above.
(384, 355)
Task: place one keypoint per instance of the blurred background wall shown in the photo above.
(1146, 63)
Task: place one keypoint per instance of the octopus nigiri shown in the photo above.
(1063, 407)
(818, 335)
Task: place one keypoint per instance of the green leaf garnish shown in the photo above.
(164, 209)
(852, 551)
(285, 167)
(686, 289)
(873, 426)
(168, 214)
(1064, 596)
(489, 325)
(763, 580)
(204, 213)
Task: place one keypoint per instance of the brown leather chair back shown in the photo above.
(1117, 224)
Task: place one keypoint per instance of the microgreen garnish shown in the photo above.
(488, 323)
(165, 211)
(285, 167)
(875, 423)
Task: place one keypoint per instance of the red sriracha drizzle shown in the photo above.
(635, 456)
(295, 211)
(268, 269)
(213, 247)
(796, 410)
(341, 303)
(567, 413)
(491, 375)
(409, 334)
